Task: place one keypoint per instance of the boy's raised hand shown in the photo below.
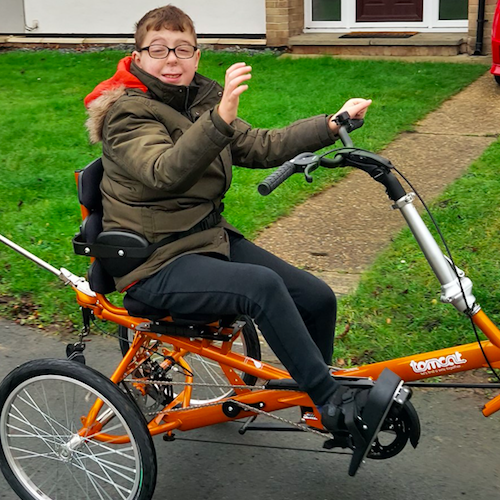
(356, 108)
(236, 75)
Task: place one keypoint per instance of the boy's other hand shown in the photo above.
(236, 75)
(356, 108)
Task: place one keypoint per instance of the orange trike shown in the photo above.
(67, 431)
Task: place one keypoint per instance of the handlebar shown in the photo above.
(299, 163)
(376, 166)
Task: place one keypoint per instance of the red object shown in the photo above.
(121, 77)
(495, 44)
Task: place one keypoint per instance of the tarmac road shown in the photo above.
(458, 456)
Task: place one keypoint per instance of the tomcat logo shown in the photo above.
(437, 363)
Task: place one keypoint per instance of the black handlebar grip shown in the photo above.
(270, 183)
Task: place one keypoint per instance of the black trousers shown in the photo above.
(294, 310)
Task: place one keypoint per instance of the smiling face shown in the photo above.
(171, 69)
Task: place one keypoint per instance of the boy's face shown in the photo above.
(171, 69)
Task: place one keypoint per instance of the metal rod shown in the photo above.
(29, 255)
(428, 244)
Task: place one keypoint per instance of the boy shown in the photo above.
(170, 137)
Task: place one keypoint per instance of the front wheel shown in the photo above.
(45, 454)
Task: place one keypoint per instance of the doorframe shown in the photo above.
(348, 22)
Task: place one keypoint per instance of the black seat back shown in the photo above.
(88, 182)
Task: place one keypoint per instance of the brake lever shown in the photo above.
(308, 170)
(308, 162)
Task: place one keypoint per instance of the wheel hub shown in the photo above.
(67, 450)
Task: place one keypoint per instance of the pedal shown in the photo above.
(387, 391)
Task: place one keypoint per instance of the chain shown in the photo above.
(241, 405)
(305, 428)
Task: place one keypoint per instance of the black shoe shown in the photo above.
(344, 398)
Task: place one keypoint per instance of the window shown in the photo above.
(326, 10)
(453, 9)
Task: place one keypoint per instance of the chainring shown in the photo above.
(392, 437)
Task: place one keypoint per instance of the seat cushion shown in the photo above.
(136, 308)
(141, 310)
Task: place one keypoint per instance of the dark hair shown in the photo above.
(168, 17)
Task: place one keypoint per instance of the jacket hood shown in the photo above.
(129, 76)
(100, 100)
(122, 78)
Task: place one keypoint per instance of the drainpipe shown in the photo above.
(480, 28)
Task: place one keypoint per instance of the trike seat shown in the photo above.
(108, 254)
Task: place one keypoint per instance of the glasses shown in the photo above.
(184, 51)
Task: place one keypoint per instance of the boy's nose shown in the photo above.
(171, 57)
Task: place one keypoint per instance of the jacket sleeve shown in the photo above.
(262, 148)
(136, 139)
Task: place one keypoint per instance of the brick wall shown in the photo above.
(489, 11)
(284, 18)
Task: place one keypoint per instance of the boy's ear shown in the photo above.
(136, 57)
(197, 56)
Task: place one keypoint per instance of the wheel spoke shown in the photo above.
(109, 480)
(93, 475)
(120, 451)
(41, 433)
(211, 374)
(32, 454)
(48, 419)
(84, 491)
(108, 464)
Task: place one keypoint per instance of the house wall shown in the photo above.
(119, 16)
(489, 12)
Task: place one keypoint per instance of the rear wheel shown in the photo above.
(497, 78)
(204, 370)
(45, 454)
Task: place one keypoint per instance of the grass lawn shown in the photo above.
(396, 310)
(42, 141)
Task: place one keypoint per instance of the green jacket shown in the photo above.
(168, 157)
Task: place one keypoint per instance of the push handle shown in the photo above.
(270, 183)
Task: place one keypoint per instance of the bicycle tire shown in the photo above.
(42, 456)
(206, 370)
